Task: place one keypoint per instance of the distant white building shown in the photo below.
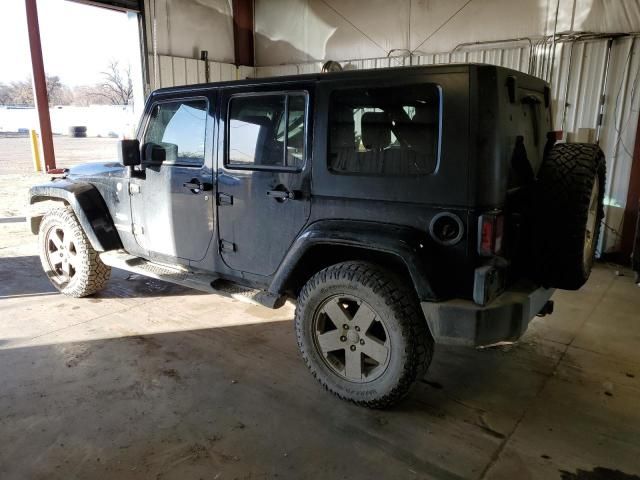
(100, 120)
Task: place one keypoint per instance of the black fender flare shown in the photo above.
(405, 243)
(87, 204)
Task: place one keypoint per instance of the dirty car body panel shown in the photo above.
(263, 216)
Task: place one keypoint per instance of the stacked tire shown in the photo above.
(78, 131)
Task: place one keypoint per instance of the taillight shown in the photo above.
(556, 135)
(490, 234)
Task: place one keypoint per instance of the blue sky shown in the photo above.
(77, 40)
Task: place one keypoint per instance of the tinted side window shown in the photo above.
(179, 128)
(267, 131)
(384, 131)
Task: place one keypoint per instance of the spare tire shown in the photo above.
(568, 212)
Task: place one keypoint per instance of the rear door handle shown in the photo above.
(196, 186)
(282, 195)
(278, 194)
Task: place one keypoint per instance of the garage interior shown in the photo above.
(151, 380)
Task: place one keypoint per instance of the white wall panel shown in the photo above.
(215, 71)
(246, 72)
(313, 67)
(299, 31)
(583, 71)
(192, 71)
(174, 71)
(165, 72)
(622, 103)
(183, 28)
(179, 71)
(227, 72)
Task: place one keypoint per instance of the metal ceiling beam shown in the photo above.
(243, 24)
(41, 98)
(120, 5)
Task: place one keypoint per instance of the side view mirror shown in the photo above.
(157, 153)
(129, 152)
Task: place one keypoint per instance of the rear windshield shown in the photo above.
(384, 131)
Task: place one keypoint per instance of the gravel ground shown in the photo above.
(14, 189)
(15, 152)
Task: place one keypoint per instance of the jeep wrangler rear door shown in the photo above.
(263, 176)
(172, 194)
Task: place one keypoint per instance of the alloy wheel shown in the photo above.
(61, 253)
(352, 338)
(591, 231)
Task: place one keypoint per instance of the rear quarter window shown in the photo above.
(388, 131)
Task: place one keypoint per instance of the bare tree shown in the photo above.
(85, 95)
(5, 94)
(54, 86)
(58, 93)
(115, 89)
(117, 86)
(21, 92)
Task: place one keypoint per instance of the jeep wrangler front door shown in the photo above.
(172, 194)
(263, 178)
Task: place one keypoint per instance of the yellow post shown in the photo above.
(35, 149)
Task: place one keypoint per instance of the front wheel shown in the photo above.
(68, 258)
(361, 333)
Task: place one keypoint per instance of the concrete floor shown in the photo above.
(150, 380)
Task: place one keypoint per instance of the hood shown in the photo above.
(111, 169)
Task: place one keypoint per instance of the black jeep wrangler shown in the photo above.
(400, 208)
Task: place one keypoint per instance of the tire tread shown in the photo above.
(563, 193)
(400, 298)
(93, 274)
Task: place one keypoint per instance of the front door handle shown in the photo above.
(192, 185)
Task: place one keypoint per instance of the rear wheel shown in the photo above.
(569, 210)
(67, 256)
(361, 333)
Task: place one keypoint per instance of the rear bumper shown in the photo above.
(462, 322)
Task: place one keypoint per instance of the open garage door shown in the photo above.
(135, 10)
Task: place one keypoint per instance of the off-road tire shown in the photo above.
(393, 300)
(91, 275)
(562, 199)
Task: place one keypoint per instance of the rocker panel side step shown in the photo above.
(166, 273)
(198, 281)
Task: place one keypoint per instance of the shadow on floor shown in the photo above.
(23, 276)
(236, 401)
(598, 473)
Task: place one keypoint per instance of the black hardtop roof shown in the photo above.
(345, 74)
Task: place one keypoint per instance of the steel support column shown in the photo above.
(633, 200)
(41, 98)
(243, 32)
